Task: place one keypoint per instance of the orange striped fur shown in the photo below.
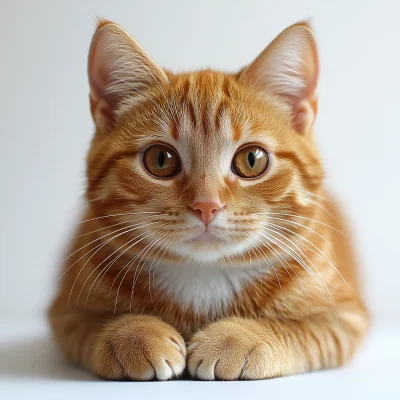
(273, 291)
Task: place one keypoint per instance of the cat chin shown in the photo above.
(209, 253)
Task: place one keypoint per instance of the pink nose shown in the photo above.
(207, 210)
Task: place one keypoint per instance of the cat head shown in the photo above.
(204, 165)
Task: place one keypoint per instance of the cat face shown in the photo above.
(207, 165)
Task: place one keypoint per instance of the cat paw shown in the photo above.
(233, 349)
(138, 348)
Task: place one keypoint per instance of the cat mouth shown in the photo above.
(205, 237)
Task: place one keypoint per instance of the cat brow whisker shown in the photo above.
(166, 99)
(138, 90)
(257, 97)
(245, 100)
(174, 99)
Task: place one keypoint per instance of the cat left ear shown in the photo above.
(288, 69)
(118, 68)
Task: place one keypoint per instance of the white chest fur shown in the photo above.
(207, 290)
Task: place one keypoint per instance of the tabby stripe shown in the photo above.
(222, 106)
(204, 122)
(312, 179)
(174, 128)
(225, 87)
(109, 164)
(318, 343)
(339, 350)
(192, 114)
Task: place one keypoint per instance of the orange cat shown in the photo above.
(208, 241)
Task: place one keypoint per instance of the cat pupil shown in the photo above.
(161, 159)
(251, 159)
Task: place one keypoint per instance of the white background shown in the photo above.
(45, 123)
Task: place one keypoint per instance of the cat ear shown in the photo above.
(118, 68)
(288, 68)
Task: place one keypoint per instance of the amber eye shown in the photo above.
(250, 162)
(161, 161)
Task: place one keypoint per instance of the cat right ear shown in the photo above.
(118, 68)
(288, 69)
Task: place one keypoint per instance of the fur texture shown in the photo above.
(268, 287)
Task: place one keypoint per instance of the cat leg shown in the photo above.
(119, 347)
(237, 348)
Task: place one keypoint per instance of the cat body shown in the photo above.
(208, 241)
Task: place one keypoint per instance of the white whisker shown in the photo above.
(320, 253)
(305, 227)
(117, 224)
(104, 244)
(288, 250)
(269, 262)
(128, 267)
(119, 215)
(308, 219)
(140, 268)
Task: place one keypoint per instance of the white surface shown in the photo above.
(31, 367)
(45, 128)
(45, 123)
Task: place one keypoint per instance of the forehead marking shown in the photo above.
(174, 129)
(192, 114)
(221, 109)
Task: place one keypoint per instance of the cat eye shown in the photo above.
(250, 162)
(161, 161)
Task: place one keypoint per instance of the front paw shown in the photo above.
(138, 348)
(234, 349)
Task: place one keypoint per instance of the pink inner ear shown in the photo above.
(102, 114)
(288, 68)
(305, 108)
(113, 53)
(304, 115)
